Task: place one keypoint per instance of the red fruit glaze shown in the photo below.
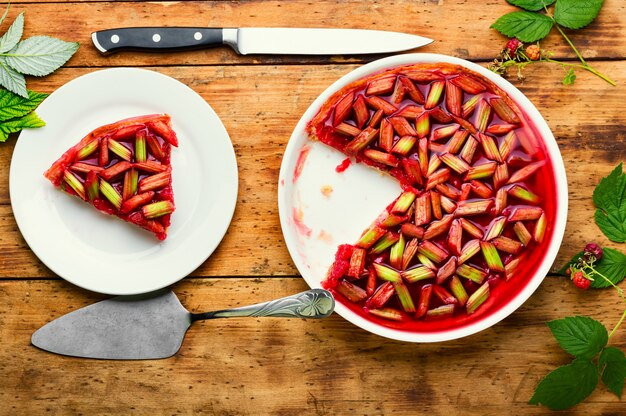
(111, 168)
(495, 147)
(345, 164)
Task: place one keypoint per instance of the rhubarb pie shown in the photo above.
(123, 169)
(474, 217)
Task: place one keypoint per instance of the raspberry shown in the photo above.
(580, 281)
(512, 45)
(533, 52)
(594, 250)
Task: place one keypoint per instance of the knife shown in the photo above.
(290, 41)
(153, 326)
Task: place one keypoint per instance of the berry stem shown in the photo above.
(520, 60)
(590, 268)
(580, 57)
(618, 324)
(584, 65)
(521, 65)
(571, 44)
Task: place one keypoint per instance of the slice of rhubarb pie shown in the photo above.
(477, 203)
(123, 169)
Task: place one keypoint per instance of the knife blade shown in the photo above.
(153, 326)
(289, 41)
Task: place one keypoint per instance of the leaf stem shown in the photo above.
(580, 57)
(591, 269)
(618, 324)
(584, 65)
(588, 267)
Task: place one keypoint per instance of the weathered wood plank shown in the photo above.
(287, 366)
(255, 100)
(263, 252)
(460, 28)
(291, 366)
(260, 106)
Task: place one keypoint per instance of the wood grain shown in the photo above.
(260, 105)
(304, 367)
(291, 366)
(263, 252)
(460, 28)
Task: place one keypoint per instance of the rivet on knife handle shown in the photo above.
(156, 38)
(314, 303)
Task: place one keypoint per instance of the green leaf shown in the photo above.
(612, 265)
(526, 26)
(574, 260)
(13, 34)
(575, 14)
(12, 80)
(570, 77)
(567, 385)
(532, 5)
(40, 55)
(612, 364)
(13, 106)
(580, 336)
(30, 121)
(609, 198)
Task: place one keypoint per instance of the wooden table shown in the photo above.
(294, 366)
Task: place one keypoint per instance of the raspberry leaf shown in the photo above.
(581, 336)
(567, 385)
(570, 77)
(612, 365)
(30, 121)
(575, 14)
(612, 266)
(13, 34)
(12, 80)
(13, 106)
(526, 26)
(609, 198)
(531, 5)
(563, 270)
(40, 55)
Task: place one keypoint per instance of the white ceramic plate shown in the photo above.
(320, 209)
(100, 252)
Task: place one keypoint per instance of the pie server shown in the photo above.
(289, 41)
(153, 326)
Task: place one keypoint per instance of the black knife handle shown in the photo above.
(157, 39)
